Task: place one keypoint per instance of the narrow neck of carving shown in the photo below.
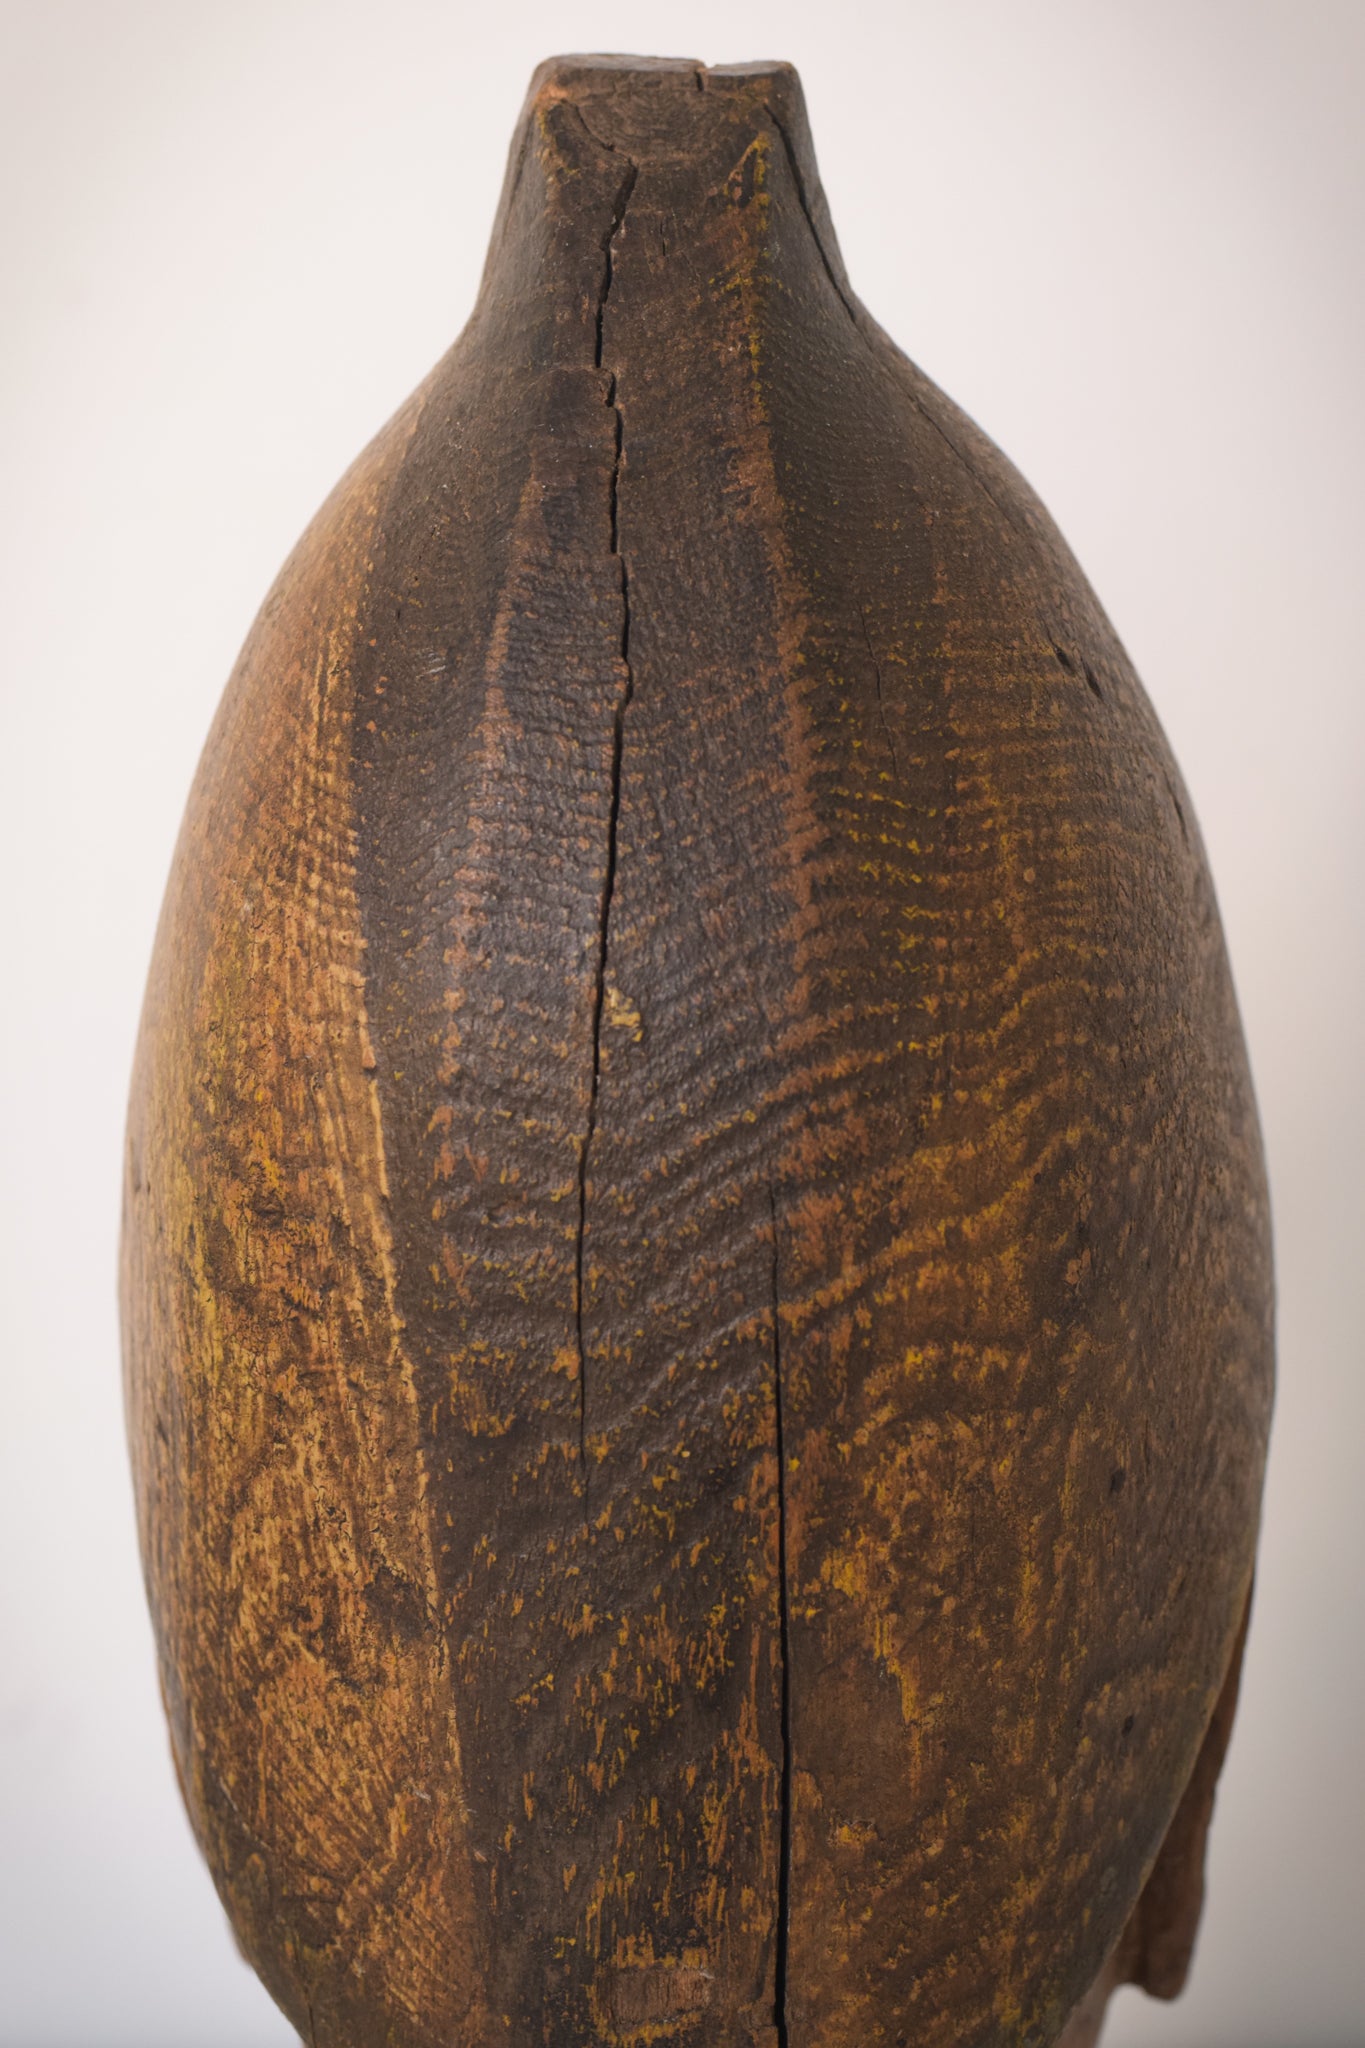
(712, 158)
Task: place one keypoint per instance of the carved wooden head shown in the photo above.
(696, 1275)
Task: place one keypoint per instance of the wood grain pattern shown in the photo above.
(696, 1270)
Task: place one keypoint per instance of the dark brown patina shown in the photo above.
(696, 1273)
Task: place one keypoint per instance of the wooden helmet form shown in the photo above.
(696, 1273)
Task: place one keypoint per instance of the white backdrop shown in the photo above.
(1126, 235)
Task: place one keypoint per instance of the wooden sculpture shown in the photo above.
(696, 1275)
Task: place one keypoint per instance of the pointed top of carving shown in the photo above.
(665, 104)
(655, 108)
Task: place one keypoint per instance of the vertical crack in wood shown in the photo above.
(850, 306)
(784, 1851)
(803, 201)
(624, 191)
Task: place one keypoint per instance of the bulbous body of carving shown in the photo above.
(696, 1270)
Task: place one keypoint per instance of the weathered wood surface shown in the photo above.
(696, 1274)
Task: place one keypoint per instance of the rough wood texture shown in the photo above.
(696, 1269)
